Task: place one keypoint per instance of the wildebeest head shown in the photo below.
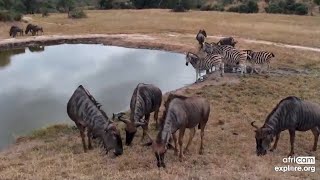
(189, 57)
(131, 127)
(159, 149)
(111, 139)
(264, 137)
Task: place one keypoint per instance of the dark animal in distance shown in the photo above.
(201, 36)
(34, 29)
(181, 113)
(292, 114)
(227, 41)
(14, 30)
(86, 112)
(146, 98)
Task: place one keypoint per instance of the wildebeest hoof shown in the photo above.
(201, 152)
(186, 151)
(90, 147)
(314, 149)
(290, 154)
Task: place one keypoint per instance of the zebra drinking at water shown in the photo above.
(85, 111)
(260, 57)
(292, 114)
(206, 63)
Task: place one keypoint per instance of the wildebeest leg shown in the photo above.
(156, 112)
(89, 134)
(292, 136)
(174, 137)
(201, 135)
(82, 130)
(145, 127)
(192, 132)
(315, 132)
(181, 134)
(275, 143)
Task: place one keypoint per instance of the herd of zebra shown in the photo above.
(34, 29)
(180, 113)
(224, 53)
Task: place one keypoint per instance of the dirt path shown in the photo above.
(12, 42)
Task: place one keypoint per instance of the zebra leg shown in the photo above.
(196, 75)
(222, 69)
(252, 67)
(275, 143)
(191, 135)
(292, 137)
(316, 133)
(89, 135)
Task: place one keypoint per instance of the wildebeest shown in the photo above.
(201, 36)
(181, 112)
(34, 29)
(146, 98)
(227, 41)
(292, 114)
(14, 30)
(86, 112)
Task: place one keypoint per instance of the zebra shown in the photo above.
(201, 36)
(227, 41)
(292, 114)
(260, 57)
(206, 63)
(213, 48)
(85, 111)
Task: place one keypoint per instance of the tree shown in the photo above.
(67, 5)
(105, 4)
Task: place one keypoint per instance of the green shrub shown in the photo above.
(287, 7)
(301, 9)
(179, 8)
(209, 7)
(274, 8)
(10, 16)
(233, 9)
(249, 7)
(77, 14)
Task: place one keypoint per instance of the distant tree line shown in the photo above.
(13, 9)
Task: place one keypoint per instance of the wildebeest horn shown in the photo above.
(253, 125)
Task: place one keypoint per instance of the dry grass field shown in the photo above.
(300, 30)
(56, 152)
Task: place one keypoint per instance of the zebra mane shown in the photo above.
(94, 101)
(289, 98)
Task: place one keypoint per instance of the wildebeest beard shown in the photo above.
(119, 147)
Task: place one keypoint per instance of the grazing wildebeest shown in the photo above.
(145, 99)
(181, 112)
(86, 112)
(291, 114)
(227, 41)
(201, 36)
(34, 29)
(14, 30)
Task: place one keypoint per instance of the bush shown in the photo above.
(44, 12)
(208, 7)
(179, 8)
(122, 5)
(77, 14)
(10, 16)
(287, 7)
(249, 7)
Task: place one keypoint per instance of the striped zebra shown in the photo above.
(231, 56)
(259, 57)
(85, 111)
(206, 63)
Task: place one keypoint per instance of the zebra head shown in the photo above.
(111, 139)
(264, 137)
(191, 58)
(131, 126)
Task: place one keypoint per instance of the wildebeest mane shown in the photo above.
(94, 101)
(292, 98)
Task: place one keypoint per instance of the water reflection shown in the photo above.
(36, 86)
(36, 48)
(5, 56)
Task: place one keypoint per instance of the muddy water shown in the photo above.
(36, 83)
